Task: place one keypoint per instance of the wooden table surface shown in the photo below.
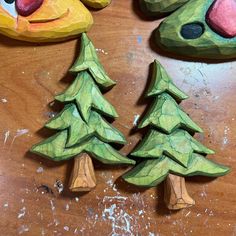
(32, 74)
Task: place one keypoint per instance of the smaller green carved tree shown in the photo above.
(82, 131)
(169, 149)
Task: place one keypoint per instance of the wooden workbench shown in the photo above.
(32, 74)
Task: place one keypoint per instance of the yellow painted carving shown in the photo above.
(54, 20)
(96, 3)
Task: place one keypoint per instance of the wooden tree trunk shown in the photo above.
(176, 195)
(83, 177)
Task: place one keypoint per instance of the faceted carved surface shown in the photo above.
(86, 94)
(176, 195)
(81, 129)
(96, 3)
(222, 17)
(152, 172)
(179, 145)
(46, 21)
(160, 7)
(166, 115)
(169, 149)
(161, 82)
(83, 176)
(208, 45)
(88, 60)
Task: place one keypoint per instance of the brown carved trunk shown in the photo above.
(83, 177)
(176, 195)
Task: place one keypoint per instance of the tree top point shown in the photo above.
(161, 82)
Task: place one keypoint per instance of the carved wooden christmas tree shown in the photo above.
(169, 149)
(82, 131)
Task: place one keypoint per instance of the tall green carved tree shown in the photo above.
(82, 131)
(169, 149)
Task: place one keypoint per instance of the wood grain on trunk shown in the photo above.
(83, 177)
(176, 195)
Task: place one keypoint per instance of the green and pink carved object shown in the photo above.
(197, 28)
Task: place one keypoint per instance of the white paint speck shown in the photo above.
(77, 199)
(102, 51)
(121, 221)
(188, 214)
(43, 231)
(22, 229)
(110, 182)
(5, 205)
(136, 119)
(66, 228)
(67, 207)
(6, 136)
(4, 100)
(117, 198)
(21, 132)
(59, 186)
(52, 205)
(140, 212)
(216, 98)
(76, 230)
(22, 212)
(225, 138)
(40, 170)
(203, 193)
(56, 222)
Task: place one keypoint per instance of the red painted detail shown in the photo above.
(27, 7)
(221, 17)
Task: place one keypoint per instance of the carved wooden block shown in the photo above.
(46, 20)
(96, 3)
(176, 195)
(83, 177)
(82, 130)
(200, 28)
(160, 8)
(168, 150)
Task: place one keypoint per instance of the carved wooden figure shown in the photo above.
(96, 3)
(160, 8)
(46, 20)
(202, 29)
(82, 131)
(169, 150)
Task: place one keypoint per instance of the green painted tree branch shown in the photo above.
(88, 60)
(86, 94)
(161, 82)
(150, 173)
(166, 115)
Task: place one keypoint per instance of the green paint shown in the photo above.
(168, 147)
(81, 127)
(161, 82)
(160, 7)
(208, 45)
(88, 60)
(166, 115)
